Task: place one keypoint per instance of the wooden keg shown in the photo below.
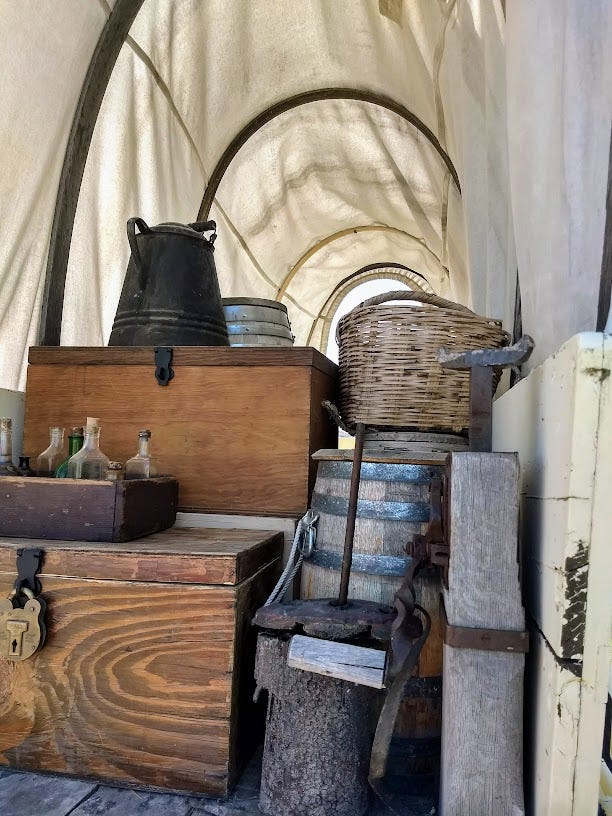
(393, 506)
(257, 322)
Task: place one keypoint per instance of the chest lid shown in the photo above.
(180, 555)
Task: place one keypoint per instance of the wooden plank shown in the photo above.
(200, 556)
(49, 508)
(357, 664)
(552, 712)
(28, 794)
(385, 457)
(552, 419)
(86, 509)
(483, 691)
(223, 462)
(183, 356)
(597, 653)
(118, 802)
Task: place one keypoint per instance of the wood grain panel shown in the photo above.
(86, 509)
(135, 683)
(237, 439)
(200, 556)
(183, 355)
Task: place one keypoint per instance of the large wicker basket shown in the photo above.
(389, 373)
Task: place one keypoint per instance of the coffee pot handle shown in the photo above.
(204, 226)
(131, 234)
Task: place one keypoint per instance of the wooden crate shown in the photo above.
(236, 426)
(146, 677)
(86, 510)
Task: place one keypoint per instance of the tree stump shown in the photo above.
(318, 738)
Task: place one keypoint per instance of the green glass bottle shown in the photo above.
(75, 443)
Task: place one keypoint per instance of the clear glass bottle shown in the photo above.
(51, 457)
(142, 466)
(89, 462)
(75, 443)
(7, 468)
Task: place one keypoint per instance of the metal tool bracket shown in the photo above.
(163, 364)
(434, 547)
(489, 640)
(28, 566)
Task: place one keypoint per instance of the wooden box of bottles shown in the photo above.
(146, 675)
(86, 510)
(235, 426)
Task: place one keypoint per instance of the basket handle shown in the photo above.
(420, 297)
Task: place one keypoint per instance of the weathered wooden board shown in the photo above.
(145, 679)
(560, 420)
(235, 426)
(180, 555)
(357, 664)
(86, 510)
(552, 711)
(26, 795)
(552, 418)
(482, 706)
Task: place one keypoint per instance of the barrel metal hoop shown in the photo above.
(367, 508)
(392, 565)
(379, 472)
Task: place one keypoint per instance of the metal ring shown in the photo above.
(24, 590)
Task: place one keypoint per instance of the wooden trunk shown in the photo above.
(146, 676)
(235, 426)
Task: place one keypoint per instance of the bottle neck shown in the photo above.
(75, 443)
(6, 445)
(143, 446)
(92, 440)
(57, 437)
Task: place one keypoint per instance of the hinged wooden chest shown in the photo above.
(146, 677)
(235, 426)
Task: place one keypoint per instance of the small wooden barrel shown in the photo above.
(393, 505)
(257, 322)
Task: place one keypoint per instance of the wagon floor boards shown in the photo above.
(29, 794)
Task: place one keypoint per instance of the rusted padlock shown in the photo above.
(22, 630)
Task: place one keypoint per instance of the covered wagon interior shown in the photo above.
(344, 149)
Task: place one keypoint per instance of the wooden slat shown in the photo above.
(27, 794)
(552, 418)
(199, 556)
(117, 802)
(483, 691)
(552, 711)
(357, 664)
(183, 356)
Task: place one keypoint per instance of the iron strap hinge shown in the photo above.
(163, 364)
(488, 640)
(28, 567)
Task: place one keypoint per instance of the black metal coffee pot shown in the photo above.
(171, 293)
